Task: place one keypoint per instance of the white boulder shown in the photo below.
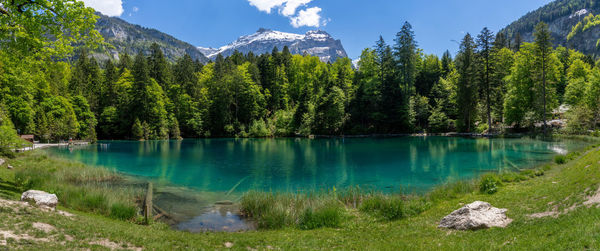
(40, 198)
(477, 215)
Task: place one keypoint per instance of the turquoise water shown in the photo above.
(289, 164)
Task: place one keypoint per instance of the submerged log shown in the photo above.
(161, 213)
(148, 204)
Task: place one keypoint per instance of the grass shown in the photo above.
(560, 186)
(77, 186)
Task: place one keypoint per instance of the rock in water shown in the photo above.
(40, 198)
(477, 215)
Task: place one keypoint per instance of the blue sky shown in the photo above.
(214, 23)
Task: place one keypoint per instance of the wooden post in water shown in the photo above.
(148, 204)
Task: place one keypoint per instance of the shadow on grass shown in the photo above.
(9, 190)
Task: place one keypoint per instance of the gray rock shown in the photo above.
(10, 167)
(2, 161)
(40, 198)
(477, 215)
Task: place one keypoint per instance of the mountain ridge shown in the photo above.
(315, 42)
(561, 16)
(132, 38)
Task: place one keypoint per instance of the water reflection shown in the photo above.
(237, 165)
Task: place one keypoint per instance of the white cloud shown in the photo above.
(305, 17)
(135, 9)
(292, 5)
(107, 7)
(266, 5)
(310, 17)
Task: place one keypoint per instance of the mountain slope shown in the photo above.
(130, 38)
(317, 43)
(561, 16)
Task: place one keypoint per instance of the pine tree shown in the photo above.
(111, 76)
(405, 52)
(518, 41)
(467, 89)
(543, 43)
(446, 64)
(500, 41)
(124, 62)
(159, 67)
(485, 40)
(141, 78)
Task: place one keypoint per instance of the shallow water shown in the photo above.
(219, 169)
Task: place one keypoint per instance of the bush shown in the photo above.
(387, 207)
(560, 159)
(489, 184)
(438, 121)
(259, 129)
(122, 212)
(481, 128)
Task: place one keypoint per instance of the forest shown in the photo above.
(56, 91)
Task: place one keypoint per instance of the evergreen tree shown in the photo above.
(500, 41)
(391, 94)
(111, 76)
(518, 41)
(467, 88)
(158, 66)
(446, 64)
(125, 62)
(485, 40)
(141, 78)
(405, 52)
(543, 42)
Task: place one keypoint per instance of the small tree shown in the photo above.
(174, 130)
(137, 132)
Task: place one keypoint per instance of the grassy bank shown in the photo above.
(561, 193)
(78, 187)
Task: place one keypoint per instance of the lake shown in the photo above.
(295, 164)
(191, 176)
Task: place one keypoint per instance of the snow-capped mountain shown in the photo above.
(316, 43)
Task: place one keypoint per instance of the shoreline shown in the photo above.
(522, 199)
(367, 190)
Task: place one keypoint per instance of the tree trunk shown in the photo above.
(544, 91)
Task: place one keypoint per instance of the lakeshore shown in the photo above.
(541, 206)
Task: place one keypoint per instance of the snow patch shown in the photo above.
(579, 13)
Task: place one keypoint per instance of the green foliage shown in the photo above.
(467, 87)
(438, 121)
(8, 136)
(524, 99)
(481, 128)
(39, 27)
(137, 131)
(259, 129)
(489, 183)
(560, 159)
